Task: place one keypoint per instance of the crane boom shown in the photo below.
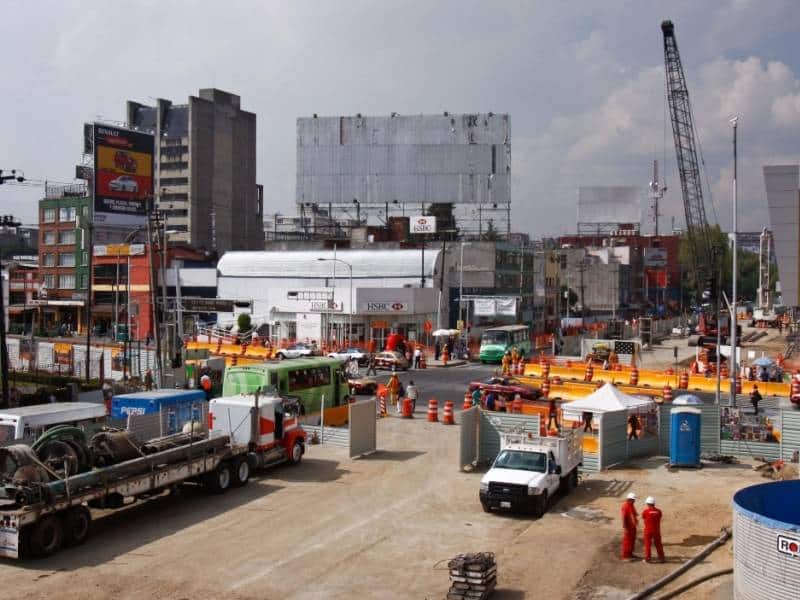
(688, 165)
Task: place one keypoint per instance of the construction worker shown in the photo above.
(394, 389)
(652, 529)
(630, 519)
(755, 398)
(506, 362)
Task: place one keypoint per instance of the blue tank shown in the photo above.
(684, 441)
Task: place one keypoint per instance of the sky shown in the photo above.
(583, 82)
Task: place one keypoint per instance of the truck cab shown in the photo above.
(268, 425)
(530, 470)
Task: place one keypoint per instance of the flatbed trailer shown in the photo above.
(57, 514)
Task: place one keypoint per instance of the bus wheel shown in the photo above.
(76, 525)
(46, 536)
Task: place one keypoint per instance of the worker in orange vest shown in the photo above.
(630, 519)
(652, 529)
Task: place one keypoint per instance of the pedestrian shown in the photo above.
(148, 380)
(412, 393)
(417, 357)
(501, 403)
(755, 398)
(587, 421)
(652, 529)
(205, 384)
(552, 414)
(394, 389)
(371, 365)
(476, 397)
(630, 519)
(633, 427)
(490, 403)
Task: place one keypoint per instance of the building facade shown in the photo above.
(63, 259)
(205, 178)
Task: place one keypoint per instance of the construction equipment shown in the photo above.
(683, 132)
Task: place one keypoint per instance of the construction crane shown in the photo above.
(702, 254)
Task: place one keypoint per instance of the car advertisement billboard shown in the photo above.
(123, 184)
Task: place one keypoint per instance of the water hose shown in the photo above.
(687, 586)
(723, 537)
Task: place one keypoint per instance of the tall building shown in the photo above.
(205, 177)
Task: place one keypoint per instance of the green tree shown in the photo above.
(244, 322)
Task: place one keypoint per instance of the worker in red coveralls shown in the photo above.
(630, 519)
(652, 529)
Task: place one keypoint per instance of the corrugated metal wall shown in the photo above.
(468, 438)
(492, 424)
(613, 438)
(363, 427)
(790, 433)
(760, 572)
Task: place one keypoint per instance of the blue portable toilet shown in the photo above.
(181, 406)
(684, 442)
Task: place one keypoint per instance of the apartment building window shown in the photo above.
(49, 281)
(67, 214)
(66, 282)
(66, 259)
(66, 237)
(49, 238)
(48, 215)
(49, 260)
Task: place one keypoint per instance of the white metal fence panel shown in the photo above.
(492, 424)
(613, 438)
(363, 427)
(468, 438)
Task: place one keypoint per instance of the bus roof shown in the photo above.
(289, 364)
(507, 328)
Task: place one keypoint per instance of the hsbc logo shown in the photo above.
(789, 546)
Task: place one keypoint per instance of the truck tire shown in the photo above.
(46, 536)
(219, 480)
(241, 472)
(296, 454)
(540, 506)
(77, 521)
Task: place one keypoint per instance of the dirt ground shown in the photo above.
(383, 527)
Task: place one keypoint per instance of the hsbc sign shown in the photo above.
(386, 307)
(789, 546)
(422, 224)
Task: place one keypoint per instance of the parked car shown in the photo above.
(391, 360)
(123, 183)
(362, 385)
(350, 353)
(295, 351)
(507, 387)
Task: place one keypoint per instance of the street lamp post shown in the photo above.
(350, 271)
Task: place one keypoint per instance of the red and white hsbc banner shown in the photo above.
(395, 301)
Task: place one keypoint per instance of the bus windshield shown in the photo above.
(522, 461)
(495, 337)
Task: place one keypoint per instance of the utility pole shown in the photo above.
(7, 221)
(733, 320)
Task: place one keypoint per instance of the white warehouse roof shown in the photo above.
(305, 263)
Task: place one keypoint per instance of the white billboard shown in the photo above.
(422, 224)
(609, 204)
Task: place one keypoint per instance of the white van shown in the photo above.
(31, 421)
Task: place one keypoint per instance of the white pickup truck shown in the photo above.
(530, 470)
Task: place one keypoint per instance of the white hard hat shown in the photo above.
(631, 496)
(650, 500)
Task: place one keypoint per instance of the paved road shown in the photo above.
(443, 383)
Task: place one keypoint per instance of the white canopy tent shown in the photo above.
(608, 398)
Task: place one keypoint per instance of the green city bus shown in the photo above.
(308, 379)
(496, 341)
